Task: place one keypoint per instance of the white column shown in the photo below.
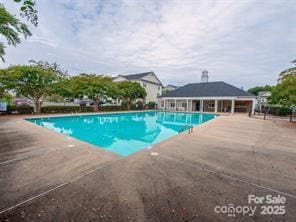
(232, 106)
(216, 106)
(201, 106)
(186, 105)
(253, 105)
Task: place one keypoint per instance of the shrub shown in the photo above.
(124, 105)
(60, 109)
(86, 109)
(279, 111)
(138, 105)
(21, 109)
(283, 111)
(11, 109)
(25, 109)
(111, 108)
(151, 105)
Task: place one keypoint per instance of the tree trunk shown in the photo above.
(128, 104)
(96, 105)
(37, 106)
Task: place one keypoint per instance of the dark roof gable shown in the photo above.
(210, 89)
(140, 76)
(136, 76)
(171, 86)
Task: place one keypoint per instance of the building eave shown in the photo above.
(210, 97)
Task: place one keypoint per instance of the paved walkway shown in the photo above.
(45, 176)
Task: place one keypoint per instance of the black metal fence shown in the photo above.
(275, 112)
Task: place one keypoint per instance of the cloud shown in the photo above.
(242, 42)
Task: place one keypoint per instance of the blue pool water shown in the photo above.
(123, 133)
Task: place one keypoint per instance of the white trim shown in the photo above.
(202, 99)
(232, 106)
(201, 105)
(212, 98)
(245, 98)
(216, 105)
(175, 104)
(253, 106)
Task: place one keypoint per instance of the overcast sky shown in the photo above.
(243, 42)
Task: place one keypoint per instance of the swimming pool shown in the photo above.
(123, 133)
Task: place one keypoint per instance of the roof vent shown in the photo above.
(204, 76)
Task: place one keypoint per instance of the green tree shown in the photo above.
(33, 82)
(4, 95)
(28, 11)
(54, 66)
(284, 93)
(63, 88)
(257, 89)
(130, 91)
(3, 89)
(288, 72)
(11, 28)
(95, 87)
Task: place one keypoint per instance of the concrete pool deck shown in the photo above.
(45, 176)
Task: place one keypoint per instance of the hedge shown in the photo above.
(22, 109)
(111, 108)
(66, 109)
(279, 111)
(86, 109)
(11, 109)
(151, 105)
(138, 106)
(26, 109)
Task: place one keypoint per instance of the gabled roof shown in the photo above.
(136, 76)
(139, 76)
(171, 86)
(209, 89)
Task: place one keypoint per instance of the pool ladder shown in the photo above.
(189, 127)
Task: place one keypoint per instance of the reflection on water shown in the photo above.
(123, 134)
(52, 126)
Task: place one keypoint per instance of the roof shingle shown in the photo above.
(209, 89)
(136, 76)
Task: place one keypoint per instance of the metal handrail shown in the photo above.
(185, 127)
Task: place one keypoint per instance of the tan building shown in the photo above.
(168, 88)
(148, 80)
(208, 97)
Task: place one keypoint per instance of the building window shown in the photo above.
(172, 105)
(158, 87)
(162, 104)
(144, 84)
(158, 94)
(183, 104)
